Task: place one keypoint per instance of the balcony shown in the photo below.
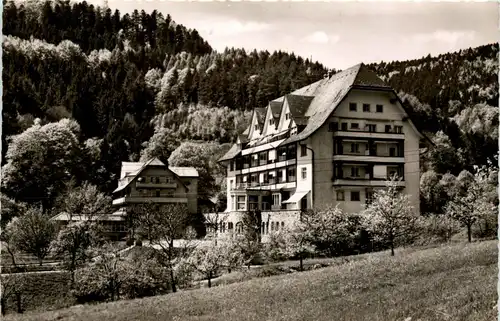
(346, 157)
(369, 135)
(363, 181)
(271, 184)
(155, 185)
(137, 200)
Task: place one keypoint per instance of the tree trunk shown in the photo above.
(2, 305)
(19, 306)
(469, 233)
(209, 279)
(12, 257)
(40, 261)
(172, 279)
(391, 242)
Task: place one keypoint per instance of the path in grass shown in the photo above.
(448, 283)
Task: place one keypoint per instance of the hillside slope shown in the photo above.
(455, 282)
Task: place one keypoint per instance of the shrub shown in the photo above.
(440, 228)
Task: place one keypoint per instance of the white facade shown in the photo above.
(349, 140)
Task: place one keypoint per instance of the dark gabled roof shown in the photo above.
(298, 104)
(329, 92)
(276, 108)
(261, 115)
(368, 78)
(234, 151)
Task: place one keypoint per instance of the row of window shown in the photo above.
(354, 196)
(156, 193)
(267, 157)
(155, 179)
(366, 108)
(372, 128)
(265, 228)
(275, 176)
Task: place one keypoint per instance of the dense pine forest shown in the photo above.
(139, 85)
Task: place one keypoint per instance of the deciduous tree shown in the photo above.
(390, 217)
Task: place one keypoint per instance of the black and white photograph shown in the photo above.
(249, 160)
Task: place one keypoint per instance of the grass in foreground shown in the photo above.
(455, 282)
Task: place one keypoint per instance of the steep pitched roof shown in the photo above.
(261, 115)
(276, 108)
(184, 171)
(298, 106)
(329, 92)
(139, 167)
(234, 151)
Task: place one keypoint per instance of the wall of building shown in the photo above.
(322, 143)
(178, 192)
(273, 221)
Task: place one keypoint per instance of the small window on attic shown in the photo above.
(256, 127)
(271, 121)
(287, 116)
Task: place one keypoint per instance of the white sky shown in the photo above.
(337, 34)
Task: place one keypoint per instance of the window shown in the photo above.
(230, 225)
(354, 172)
(282, 225)
(392, 152)
(157, 192)
(304, 173)
(152, 179)
(353, 107)
(276, 199)
(354, 196)
(303, 150)
(263, 158)
(344, 127)
(354, 148)
(380, 109)
(241, 202)
(233, 202)
(354, 126)
(255, 160)
(366, 108)
(256, 127)
(157, 180)
(398, 129)
(333, 126)
(277, 226)
(340, 195)
(231, 166)
(271, 121)
(387, 128)
(290, 172)
(287, 116)
(369, 197)
(372, 128)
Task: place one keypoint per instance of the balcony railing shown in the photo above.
(243, 186)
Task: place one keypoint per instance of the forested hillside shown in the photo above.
(139, 84)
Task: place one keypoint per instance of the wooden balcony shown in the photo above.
(155, 185)
(138, 200)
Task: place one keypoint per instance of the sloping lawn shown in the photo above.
(455, 282)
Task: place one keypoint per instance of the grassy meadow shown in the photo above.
(452, 282)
